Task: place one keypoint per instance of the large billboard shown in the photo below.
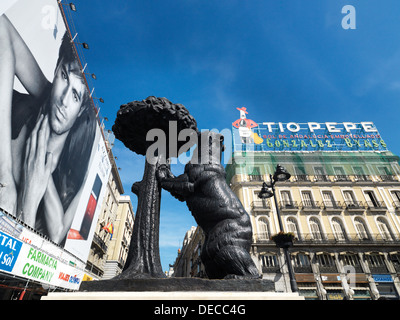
(54, 164)
(311, 136)
(26, 254)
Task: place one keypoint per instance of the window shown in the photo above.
(301, 263)
(259, 203)
(395, 258)
(359, 173)
(340, 174)
(396, 198)
(263, 228)
(371, 199)
(269, 260)
(320, 174)
(376, 262)
(292, 226)
(339, 171)
(349, 198)
(307, 199)
(351, 260)
(326, 263)
(384, 229)
(286, 199)
(301, 174)
(300, 170)
(338, 229)
(384, 171)
(329, 200)
(301, 260)
(255, 174)
(269, 263)
(361, 229)
(315, 228)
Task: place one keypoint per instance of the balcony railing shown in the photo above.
(322, 178)
(388, 177)
(310, 205)
(342, 177)
(396, 205)
(333, 238)
(288, 205)
(355, 205)
(333, 205)
(260, 205)
(362, 177)
(302, 177)
(255, 177)
(345, 238)
(100, 243)
(374, 205)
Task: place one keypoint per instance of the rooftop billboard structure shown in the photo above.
(311, 136)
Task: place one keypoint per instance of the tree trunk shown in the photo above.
(144, 254)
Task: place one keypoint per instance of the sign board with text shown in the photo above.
(311, 136)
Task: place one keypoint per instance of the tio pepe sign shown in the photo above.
(310, 136)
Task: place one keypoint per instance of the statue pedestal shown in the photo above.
(174, 295)
(175, 289)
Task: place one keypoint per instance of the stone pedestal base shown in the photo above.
(175, 289)
(176, 295)
(178, 284)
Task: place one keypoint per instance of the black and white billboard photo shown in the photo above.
(48, 122)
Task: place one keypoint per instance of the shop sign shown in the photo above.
(9, 251)
(310, 136)
(382, 278)
(330, 278)
(335, 296)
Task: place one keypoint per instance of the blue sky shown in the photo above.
(287, 60)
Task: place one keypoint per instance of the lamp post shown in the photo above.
(280, 175)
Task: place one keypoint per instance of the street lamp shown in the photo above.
(280, 175)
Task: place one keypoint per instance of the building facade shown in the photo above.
(342, 204)
(188, 262)
(118, 247)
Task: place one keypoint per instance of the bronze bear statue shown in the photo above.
(216, 209)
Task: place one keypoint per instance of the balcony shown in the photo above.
(362, 178)
(302, 178)
(344, 239)
(263, 237)
(288, 206)
(100, 246)
(388, 178)
(255, 177)
(378, 268)
(356, 207)
(377, 207)
(333, 206)
(322, 178)
(396, 205)
(260, 206)
(342, 178)
(310, 206)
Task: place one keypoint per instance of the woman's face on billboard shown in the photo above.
(66, 97)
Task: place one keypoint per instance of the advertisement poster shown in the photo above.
(312, 136)
(52, 147)
(25, 254)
